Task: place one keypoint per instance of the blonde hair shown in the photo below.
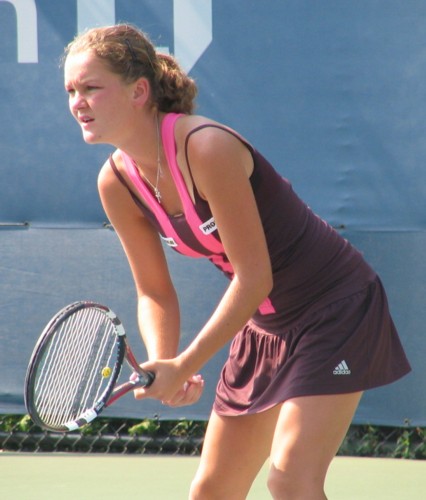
(129, 53)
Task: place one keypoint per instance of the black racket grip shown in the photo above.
(143, 378)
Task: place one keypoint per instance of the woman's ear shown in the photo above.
(141, 91)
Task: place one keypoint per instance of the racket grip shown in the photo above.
(143, 378)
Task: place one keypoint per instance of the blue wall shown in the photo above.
(332, 92)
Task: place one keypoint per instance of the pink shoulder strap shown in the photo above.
(161, 216)
(199, 227)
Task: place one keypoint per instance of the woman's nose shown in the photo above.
(77, 102)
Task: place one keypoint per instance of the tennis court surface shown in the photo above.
(62, 476)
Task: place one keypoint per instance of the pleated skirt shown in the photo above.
(347, 346)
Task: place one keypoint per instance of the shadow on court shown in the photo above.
(61, 476)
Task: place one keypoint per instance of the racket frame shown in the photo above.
(111, 393)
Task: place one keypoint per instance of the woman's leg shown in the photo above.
(234, 450)
(307, 437)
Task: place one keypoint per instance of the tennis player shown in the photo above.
(307, 316)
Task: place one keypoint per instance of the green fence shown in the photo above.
(107, 435)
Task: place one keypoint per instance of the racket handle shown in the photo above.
(143, 378)
(137, 379)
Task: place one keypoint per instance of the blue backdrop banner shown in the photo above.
(330, 92)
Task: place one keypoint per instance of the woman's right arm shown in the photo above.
(158, 308)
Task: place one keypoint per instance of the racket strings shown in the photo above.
(57, 366)
(75, 365)
(100, 355)
(75, 395)
(70, 376)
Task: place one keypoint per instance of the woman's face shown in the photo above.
(99, 100)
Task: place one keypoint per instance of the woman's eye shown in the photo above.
(85, 90)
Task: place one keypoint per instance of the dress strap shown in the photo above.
(159, 213)
(202, 230)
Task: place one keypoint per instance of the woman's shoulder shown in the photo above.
(188, 124)
(111, 172)
(204, 133)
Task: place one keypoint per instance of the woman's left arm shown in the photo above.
(221, 166)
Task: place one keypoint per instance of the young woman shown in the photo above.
(307, 316)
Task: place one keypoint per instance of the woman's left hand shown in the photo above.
(189, 394)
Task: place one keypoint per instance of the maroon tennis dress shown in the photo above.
(325, 327)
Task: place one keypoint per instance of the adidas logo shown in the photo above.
(342, 369)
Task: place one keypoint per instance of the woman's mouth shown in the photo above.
(85, 119)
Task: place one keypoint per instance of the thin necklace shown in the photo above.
(157, 193)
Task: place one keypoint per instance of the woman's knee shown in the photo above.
(288, 485)
(203, 488)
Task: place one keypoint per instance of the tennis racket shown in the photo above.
(73, 371)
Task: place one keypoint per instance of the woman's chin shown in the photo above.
(92, 139)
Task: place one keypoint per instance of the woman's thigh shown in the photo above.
(308, 434)
(234, 450)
